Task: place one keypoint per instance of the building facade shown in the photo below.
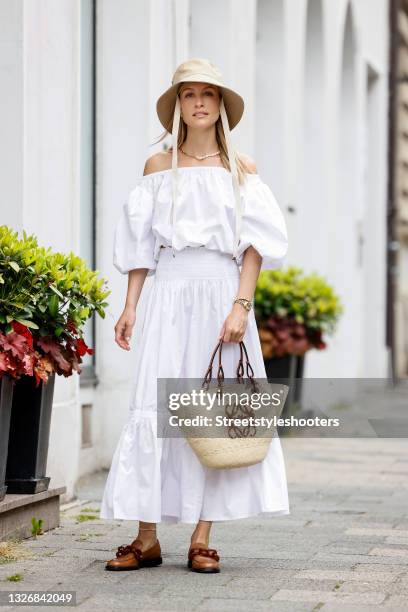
(80, 79)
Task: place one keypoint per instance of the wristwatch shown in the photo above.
(247, 304)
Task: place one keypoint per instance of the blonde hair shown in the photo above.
(242, 167)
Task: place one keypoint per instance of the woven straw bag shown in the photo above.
(242, 447)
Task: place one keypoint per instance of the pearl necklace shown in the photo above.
(200, 157)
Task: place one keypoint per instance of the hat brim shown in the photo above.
(234, 104)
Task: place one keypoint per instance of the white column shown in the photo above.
(11, 111)
(124, 105)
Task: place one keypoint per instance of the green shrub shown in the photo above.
(293, 311)
(45, 299)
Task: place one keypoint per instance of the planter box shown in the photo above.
(6, 398)
(29, 436)
(16, 512)
(289, 371)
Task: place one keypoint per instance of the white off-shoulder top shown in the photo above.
(204, 216)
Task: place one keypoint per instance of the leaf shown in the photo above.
(84, 313)
(17, 305)
(53, 304)
(15, 343)
(14, 265)
(56, 291)
(81, 348)
(58, 331)
(4, 362)
(100, 312)
(30, 324)
(49, 345)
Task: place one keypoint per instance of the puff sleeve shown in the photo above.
(134, 240)
(263, 224)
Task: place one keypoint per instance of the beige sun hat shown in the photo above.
(231, 110)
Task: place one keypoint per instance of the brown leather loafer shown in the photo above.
(209, 565)
(132, 557)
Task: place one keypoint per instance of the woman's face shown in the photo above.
(200, 104)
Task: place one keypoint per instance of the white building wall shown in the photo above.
(51, 181)
(139, 44)
(354, 351)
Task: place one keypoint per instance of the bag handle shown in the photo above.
(234, 431)
(240, 367)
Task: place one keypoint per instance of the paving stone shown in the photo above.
(397, 600)
(108, 591)
(396, 540)
(253, 572)
(348, 548)
(26, 584)
(398, 570)
(390, 552)
(131, 601)
(325, 596)
(247, 604)
(333, 606)
(73, 541)
(403, 578)
(261, 591)
(372, 525)
(182, 580)
(350, 575)
(403, 524)
(301, 584)
(395, 588)
(366, 531)
(345, 560)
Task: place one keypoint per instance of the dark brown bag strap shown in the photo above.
(240, 367)
(208, 374)
(248, 365)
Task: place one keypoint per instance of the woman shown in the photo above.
(198, 213)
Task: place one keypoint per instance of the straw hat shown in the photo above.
(202, 71)
(231, 110)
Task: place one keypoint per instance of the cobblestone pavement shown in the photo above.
(343, 547)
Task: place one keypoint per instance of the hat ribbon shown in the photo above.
(174, 137)
(235, 184)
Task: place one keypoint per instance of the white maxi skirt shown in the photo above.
(160, 479)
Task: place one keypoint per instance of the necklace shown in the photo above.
(200, 157)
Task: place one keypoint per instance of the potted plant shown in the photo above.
(293, 312)
(45, 299)
(6, 398)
